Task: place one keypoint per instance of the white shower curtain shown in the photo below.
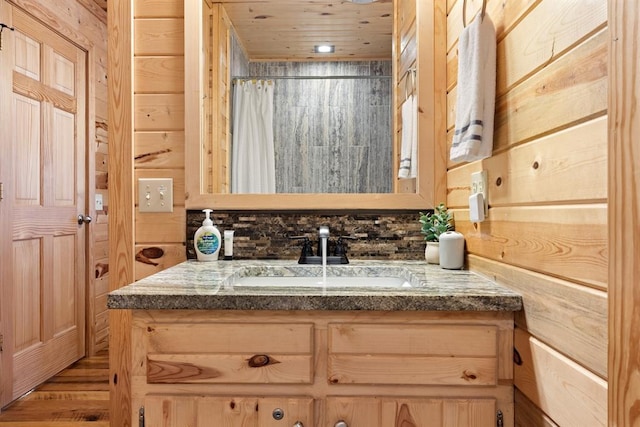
(253, 158)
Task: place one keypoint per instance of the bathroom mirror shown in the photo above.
(206, 131)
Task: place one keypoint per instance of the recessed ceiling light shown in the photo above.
(324, 48)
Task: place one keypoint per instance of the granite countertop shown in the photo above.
(215, 286)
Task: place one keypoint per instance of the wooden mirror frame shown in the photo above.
(430, 184)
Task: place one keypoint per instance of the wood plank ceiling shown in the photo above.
(288, 30)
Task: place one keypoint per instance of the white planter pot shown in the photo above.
(432, 253)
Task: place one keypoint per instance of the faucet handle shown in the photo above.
(307, 249)
(341, 249)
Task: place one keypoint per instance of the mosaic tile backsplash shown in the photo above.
(265, 235)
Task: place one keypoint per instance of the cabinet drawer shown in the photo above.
(429, 354)
(248, 353)
(218, 411)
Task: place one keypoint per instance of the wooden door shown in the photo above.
(43, 173)
(201, 411)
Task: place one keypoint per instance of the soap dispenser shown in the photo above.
(207, 239)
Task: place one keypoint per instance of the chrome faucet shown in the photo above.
(323, 236)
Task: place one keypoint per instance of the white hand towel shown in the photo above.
(475, 104)
(414, 137)
(409, 142)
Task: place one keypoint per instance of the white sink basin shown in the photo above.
(332, 282)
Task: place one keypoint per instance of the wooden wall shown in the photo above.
(158, 129)
(624, 209)
(98, 316)
(85, 24)
(546, 234)
(218, 83)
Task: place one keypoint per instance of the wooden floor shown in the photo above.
(76, 397)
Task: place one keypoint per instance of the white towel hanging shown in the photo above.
(409, 142)
(475, 103)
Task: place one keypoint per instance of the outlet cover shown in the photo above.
(98, 203)
(479, 184)
(155, 194)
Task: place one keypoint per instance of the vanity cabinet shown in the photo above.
(317, 368)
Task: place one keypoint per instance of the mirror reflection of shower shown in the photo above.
(332, 127)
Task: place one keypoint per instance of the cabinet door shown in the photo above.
(427, 412)
(201, 411)
(294, 410)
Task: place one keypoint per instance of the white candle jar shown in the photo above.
(451, 250)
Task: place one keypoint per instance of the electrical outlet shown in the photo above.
(155, 194)
(98, 203)
(479, 184)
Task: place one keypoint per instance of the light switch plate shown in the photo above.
(155, 194)
(479, 184)
(98, 203)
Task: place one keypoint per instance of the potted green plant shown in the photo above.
(433, 225)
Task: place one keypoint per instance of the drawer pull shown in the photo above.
(298, 424)
(341, 424)
(260, 360)
(278, 414)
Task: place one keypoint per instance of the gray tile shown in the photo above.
(313, 116)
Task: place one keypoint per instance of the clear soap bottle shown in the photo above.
(207, 239)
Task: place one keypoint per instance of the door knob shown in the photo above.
(82, 219)
(341, 424)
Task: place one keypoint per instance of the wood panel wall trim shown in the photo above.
(564, 390)
(566, 241)
(431, 63)
(624, 220)
(194, 179)
(569, 317)
(6, 213)
(90, 190)
(530, 173)
(528, 414)
(121, 218)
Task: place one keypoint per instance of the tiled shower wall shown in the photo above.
(265, 235)
(331, 135)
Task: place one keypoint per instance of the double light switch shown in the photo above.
(155, 194)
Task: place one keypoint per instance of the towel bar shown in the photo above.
(464, 12)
